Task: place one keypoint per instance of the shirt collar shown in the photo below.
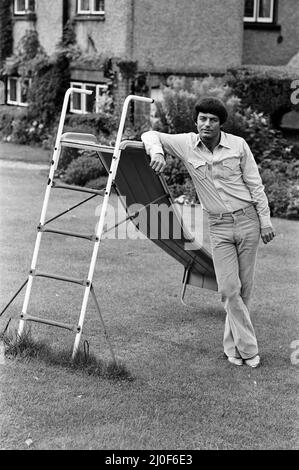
(223, 140)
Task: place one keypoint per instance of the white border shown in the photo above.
(252, 19)
(84, 85)
(268, 19)
(90, 11)
(21, 12)
(256, 19)
(72, 110)
(18, 92)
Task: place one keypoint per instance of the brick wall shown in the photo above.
(264, 46)
(188, 35)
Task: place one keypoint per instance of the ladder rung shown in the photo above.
(49, 322)
(92, 237)
(82, 282)
(100, 192)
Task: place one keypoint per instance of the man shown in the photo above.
(230, 189)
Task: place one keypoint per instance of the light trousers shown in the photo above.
(234, 242)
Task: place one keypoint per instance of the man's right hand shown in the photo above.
(158, 163)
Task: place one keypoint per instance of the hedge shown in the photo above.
(264, 89)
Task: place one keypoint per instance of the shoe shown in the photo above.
(237, 361)
(253, 362)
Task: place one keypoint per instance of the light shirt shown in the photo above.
(225, 180)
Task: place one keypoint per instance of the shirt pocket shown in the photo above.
(198, 168)
(230, 167)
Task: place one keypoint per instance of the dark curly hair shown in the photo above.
(211, 105)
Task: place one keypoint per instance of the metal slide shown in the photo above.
(137, 183)
(130, 175)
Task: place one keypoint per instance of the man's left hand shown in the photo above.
(267, 234)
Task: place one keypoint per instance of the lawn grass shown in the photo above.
(24, 153)
(181, 394)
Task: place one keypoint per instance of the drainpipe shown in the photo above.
(65, 12)
(131, 30)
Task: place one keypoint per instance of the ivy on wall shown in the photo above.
(50, 76)
(6, 37)
(128, 68)
(28, 57)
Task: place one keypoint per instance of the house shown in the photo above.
(271, 33)
(158, 37)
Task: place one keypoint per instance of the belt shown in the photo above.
(239, 211)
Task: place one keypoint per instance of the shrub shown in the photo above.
(50, 80)
(253, 127)
(265, 89)
(17, 127)
(20, 130)
(293, 206)
(8, 114)
(84, 168)
(186, 189)
(95, 123)
(175, 111)
(277, 189)
(68, 154)
(99, 182)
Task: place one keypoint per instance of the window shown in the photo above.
(17, 90)
(259, 11)
(84, 104)
(22, 7)
(91, 7)
(12, 91)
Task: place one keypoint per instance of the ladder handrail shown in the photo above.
(67, 95)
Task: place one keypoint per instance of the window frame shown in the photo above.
(91, 10)
(18, 101)
(22, 12)
(256, 19)
(83, 85)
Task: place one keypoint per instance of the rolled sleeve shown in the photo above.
(255, 185)
(159, 142)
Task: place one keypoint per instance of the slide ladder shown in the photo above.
(44, 227)
(138, 187)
